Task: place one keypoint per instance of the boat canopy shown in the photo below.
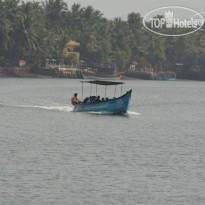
(102, 82)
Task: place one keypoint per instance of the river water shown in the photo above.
(50, 155)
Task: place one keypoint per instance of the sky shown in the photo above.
(121, 8)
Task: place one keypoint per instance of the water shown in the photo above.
(51, 155)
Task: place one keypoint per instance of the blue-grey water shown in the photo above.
(51, 155)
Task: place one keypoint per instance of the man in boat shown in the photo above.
(86, 100)
(75, 100)
(98, 99)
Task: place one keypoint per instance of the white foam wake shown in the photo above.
(109, 113)
(43, 107)
(132, 113)
(62, 109)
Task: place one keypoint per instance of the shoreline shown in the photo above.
(35, 76)
(19, 72)
(26, 76)
(24, 72)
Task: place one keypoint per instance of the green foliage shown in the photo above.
(72, 59)
(35, 31)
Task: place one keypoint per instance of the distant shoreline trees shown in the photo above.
(35, 31)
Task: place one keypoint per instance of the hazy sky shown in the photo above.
(120, 8)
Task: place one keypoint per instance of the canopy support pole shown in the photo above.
(96, 91)
(90, 89)
(105, 90)
(82, 91)
(115, 91)
(121, 89)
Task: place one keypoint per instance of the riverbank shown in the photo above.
(25, 72)
(19, 72)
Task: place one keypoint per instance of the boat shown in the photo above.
(166, 79)
(117, 105)
(170, 79)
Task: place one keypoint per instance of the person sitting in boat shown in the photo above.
(85, 100)
(98, 99)
(75, 100)
(93, 98)
(103, 99)
(90, 99)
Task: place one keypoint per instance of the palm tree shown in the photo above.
(55, 12)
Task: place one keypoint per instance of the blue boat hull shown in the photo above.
(167, 79)
(117, 105)
(170, 79)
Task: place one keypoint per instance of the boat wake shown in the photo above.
(62, 109)
(132, 113)
(54, 108)
(108, 113)
(44, 107)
